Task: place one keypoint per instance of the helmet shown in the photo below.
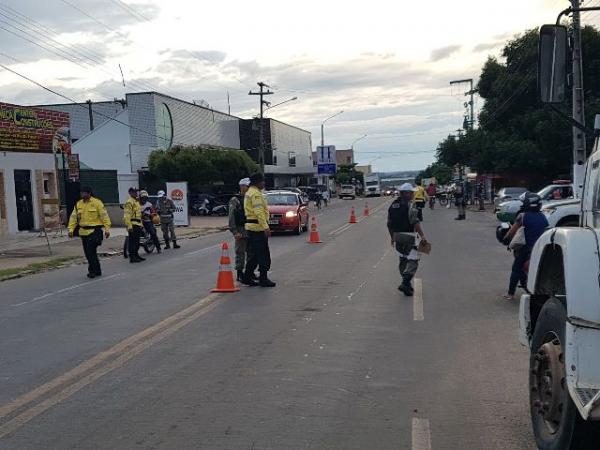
(161, 194)
(143, 193)
(501, 231)
(532, 202)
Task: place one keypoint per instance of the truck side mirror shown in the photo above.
(552, 63)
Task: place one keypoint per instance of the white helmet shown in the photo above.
(161, 194)
(407, 187)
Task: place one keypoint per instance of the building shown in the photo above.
(29, 139)
(121, 134)
(287, 151)
(344, 157)
(367, 169)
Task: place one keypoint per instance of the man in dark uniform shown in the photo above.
(406, 233)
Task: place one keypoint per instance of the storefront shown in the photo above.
(29, 139)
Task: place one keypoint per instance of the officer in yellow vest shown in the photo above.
(132, 217)
(257, 226)
(88, 220)
(420, 198)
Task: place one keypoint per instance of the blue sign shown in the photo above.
(326, 169)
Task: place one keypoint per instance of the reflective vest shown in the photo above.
(89, 216)
(256, 210)
(132, 215)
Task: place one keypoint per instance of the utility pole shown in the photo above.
(261, 140)
(579, 150)
(471, 103)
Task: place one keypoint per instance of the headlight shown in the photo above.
(290, 214)
(548, 211)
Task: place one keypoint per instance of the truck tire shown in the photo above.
(557, 424)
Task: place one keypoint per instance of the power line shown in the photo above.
(25, 77)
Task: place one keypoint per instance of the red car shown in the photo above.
(287, 212)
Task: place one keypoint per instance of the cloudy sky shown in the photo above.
(386, 66)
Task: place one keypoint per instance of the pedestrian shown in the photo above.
(533, 223)
(460, 201)
(237, 226)
(257, 226)
(166, 210)
(432, 193)
(88, 221)
(406, 234)
(420, 197)
(148, 213)
(132, 217)
(326, 197)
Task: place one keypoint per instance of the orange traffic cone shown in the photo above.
(352, 216)
(314, 234)
(366, 211)
(225, 281)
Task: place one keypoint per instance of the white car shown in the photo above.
(507, 211)
(347, 190)
(564, 213)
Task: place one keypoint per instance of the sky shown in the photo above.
(386, 64)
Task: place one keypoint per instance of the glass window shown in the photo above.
(292, 159)
(164, 127)
(282, 199)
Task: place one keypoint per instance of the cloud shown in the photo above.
(209, 56)
(444, 52)
(486, 46)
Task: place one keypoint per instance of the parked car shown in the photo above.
(507, 211)
(507, 193)
(287, 211)
(347, 191)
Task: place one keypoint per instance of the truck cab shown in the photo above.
(559, 317)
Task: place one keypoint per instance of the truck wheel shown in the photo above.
(557, 424)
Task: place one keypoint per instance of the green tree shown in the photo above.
(201, 165)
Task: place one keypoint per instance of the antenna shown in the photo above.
(122, 76)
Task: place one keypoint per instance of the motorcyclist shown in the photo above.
(148, 212)
(534, 223)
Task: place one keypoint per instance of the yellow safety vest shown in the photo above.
(420, 194)
(132, 215)
(256, 210)
(89, 215)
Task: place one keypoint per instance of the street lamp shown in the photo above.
(323, 126)
(356, 140)
(279, 104)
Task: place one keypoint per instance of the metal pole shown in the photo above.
(322, 134)
(579, 150)
(472, 122)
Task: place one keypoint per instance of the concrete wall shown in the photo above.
(9, 161)
(107, 147)
(285, 139)
(192, 125)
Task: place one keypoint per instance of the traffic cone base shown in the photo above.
(225, 282)
(314, 234)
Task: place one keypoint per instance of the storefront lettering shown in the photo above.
(25, 118)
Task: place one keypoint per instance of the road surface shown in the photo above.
(334, 357)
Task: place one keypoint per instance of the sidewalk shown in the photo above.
(26, 253)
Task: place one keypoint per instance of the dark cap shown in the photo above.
(85, 189)
(132, 189)
(256, 178)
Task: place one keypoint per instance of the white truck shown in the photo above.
(559, 317)
(372, 186)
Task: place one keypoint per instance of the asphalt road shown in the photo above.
(333, 358)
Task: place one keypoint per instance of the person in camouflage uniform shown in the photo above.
(237, 222)
(166, 208)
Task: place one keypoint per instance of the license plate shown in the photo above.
(273, 222)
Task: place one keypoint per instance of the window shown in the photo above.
(274, 159)
(46, 186)
(164, 127)
(292, 159)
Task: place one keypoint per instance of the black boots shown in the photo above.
(175, 245)
(461, 217)
(263, 281)
(240, 275)
(406, 287)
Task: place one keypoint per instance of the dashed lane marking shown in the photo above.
(421, 435)
(67, 289)
(418, 300)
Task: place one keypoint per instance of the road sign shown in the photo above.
(326, 154)
(73, 166)
(326, 169)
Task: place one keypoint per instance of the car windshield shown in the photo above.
(514, 191)
(282, 199)
(347, 186)
(372, 183)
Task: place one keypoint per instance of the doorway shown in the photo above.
(24, 200)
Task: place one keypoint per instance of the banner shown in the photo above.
(25, 129)
(178, 193)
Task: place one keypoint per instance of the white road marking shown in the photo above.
(67, 289)
(341, 229)
(203, 250)
(421, 436)
(418, 300)
(382, 258)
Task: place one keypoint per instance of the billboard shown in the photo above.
(326, 162)
(178, 193)
(37, 130)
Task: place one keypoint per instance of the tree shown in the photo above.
(346, 172)
(201, 165)
(438, 170)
